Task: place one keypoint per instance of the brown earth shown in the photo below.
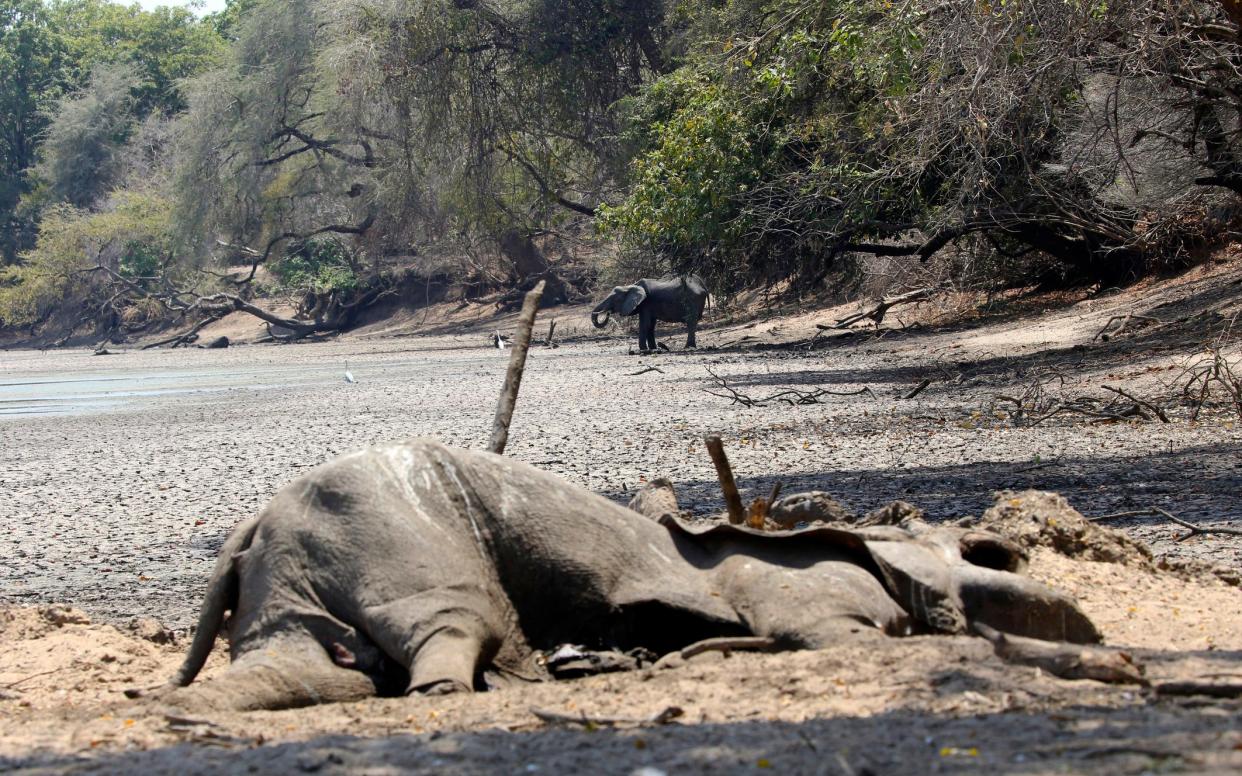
(917, 705)
(119, 509)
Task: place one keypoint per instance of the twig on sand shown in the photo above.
(790, 396)
(918, 389)
(1142, 403)
(25, 679)
(1123, 327)
(878, 312)
(733, 500)
(517, 363)
(724, 644)
(1195, 530)
(645, 371)
(661, 718)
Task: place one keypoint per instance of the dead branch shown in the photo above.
(1123, 325)
(1068, 661)
(790, 396)
(1195, 530)
(557, 718)
(1159, 413)
(186, 337)
(733, 500)
(331, 313)
(918, 389)
(517, 364)
(1206, 377)
(878, 312)
(1097, 416)
(550, 340)
(645, 371)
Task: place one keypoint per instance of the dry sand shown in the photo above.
(118, 507)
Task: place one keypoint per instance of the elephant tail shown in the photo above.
(221, 592)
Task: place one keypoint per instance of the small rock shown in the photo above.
(151, 629)
(807, 507)
(60, 615)
(656, 499)
(897, 513)
(219, 343)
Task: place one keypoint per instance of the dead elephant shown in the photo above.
(422, 568)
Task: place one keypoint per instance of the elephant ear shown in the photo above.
(633, 298)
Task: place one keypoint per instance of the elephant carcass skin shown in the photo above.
(445, 569)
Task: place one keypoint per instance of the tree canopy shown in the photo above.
(337, 141)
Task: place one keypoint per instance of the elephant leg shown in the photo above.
(442, 636)
(289, 673)
(691, 325)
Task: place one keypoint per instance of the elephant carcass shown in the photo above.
(418, 567)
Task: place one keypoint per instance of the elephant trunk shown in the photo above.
(595, 319)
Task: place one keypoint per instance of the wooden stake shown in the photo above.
(733, 500)
(517, 363)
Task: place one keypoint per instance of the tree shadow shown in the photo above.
(1189, 324)
(1198, 483)
(1134, 738)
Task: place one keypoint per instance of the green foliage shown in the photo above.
(31, 57)
(319, 265)
(739, 151)
(89, 129)
(49, 50)
(131, 236)
(163, 46)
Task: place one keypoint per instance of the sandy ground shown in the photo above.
(117, 490)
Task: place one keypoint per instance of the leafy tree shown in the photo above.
(164, 46)
(31, 58)
(79, 253)
(802, 132)
(82, 153)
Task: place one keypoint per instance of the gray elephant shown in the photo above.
(676, 300)
(415, 567)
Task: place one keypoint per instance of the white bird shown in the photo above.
(349, 377)
(499, 340)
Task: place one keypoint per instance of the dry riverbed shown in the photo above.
(121, 475)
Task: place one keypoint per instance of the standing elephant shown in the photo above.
(676, 300)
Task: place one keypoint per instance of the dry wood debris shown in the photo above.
(790, 396)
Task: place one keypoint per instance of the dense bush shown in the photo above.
(747, 140)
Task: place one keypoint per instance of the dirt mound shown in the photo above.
(55, 657)
(1034, 518)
